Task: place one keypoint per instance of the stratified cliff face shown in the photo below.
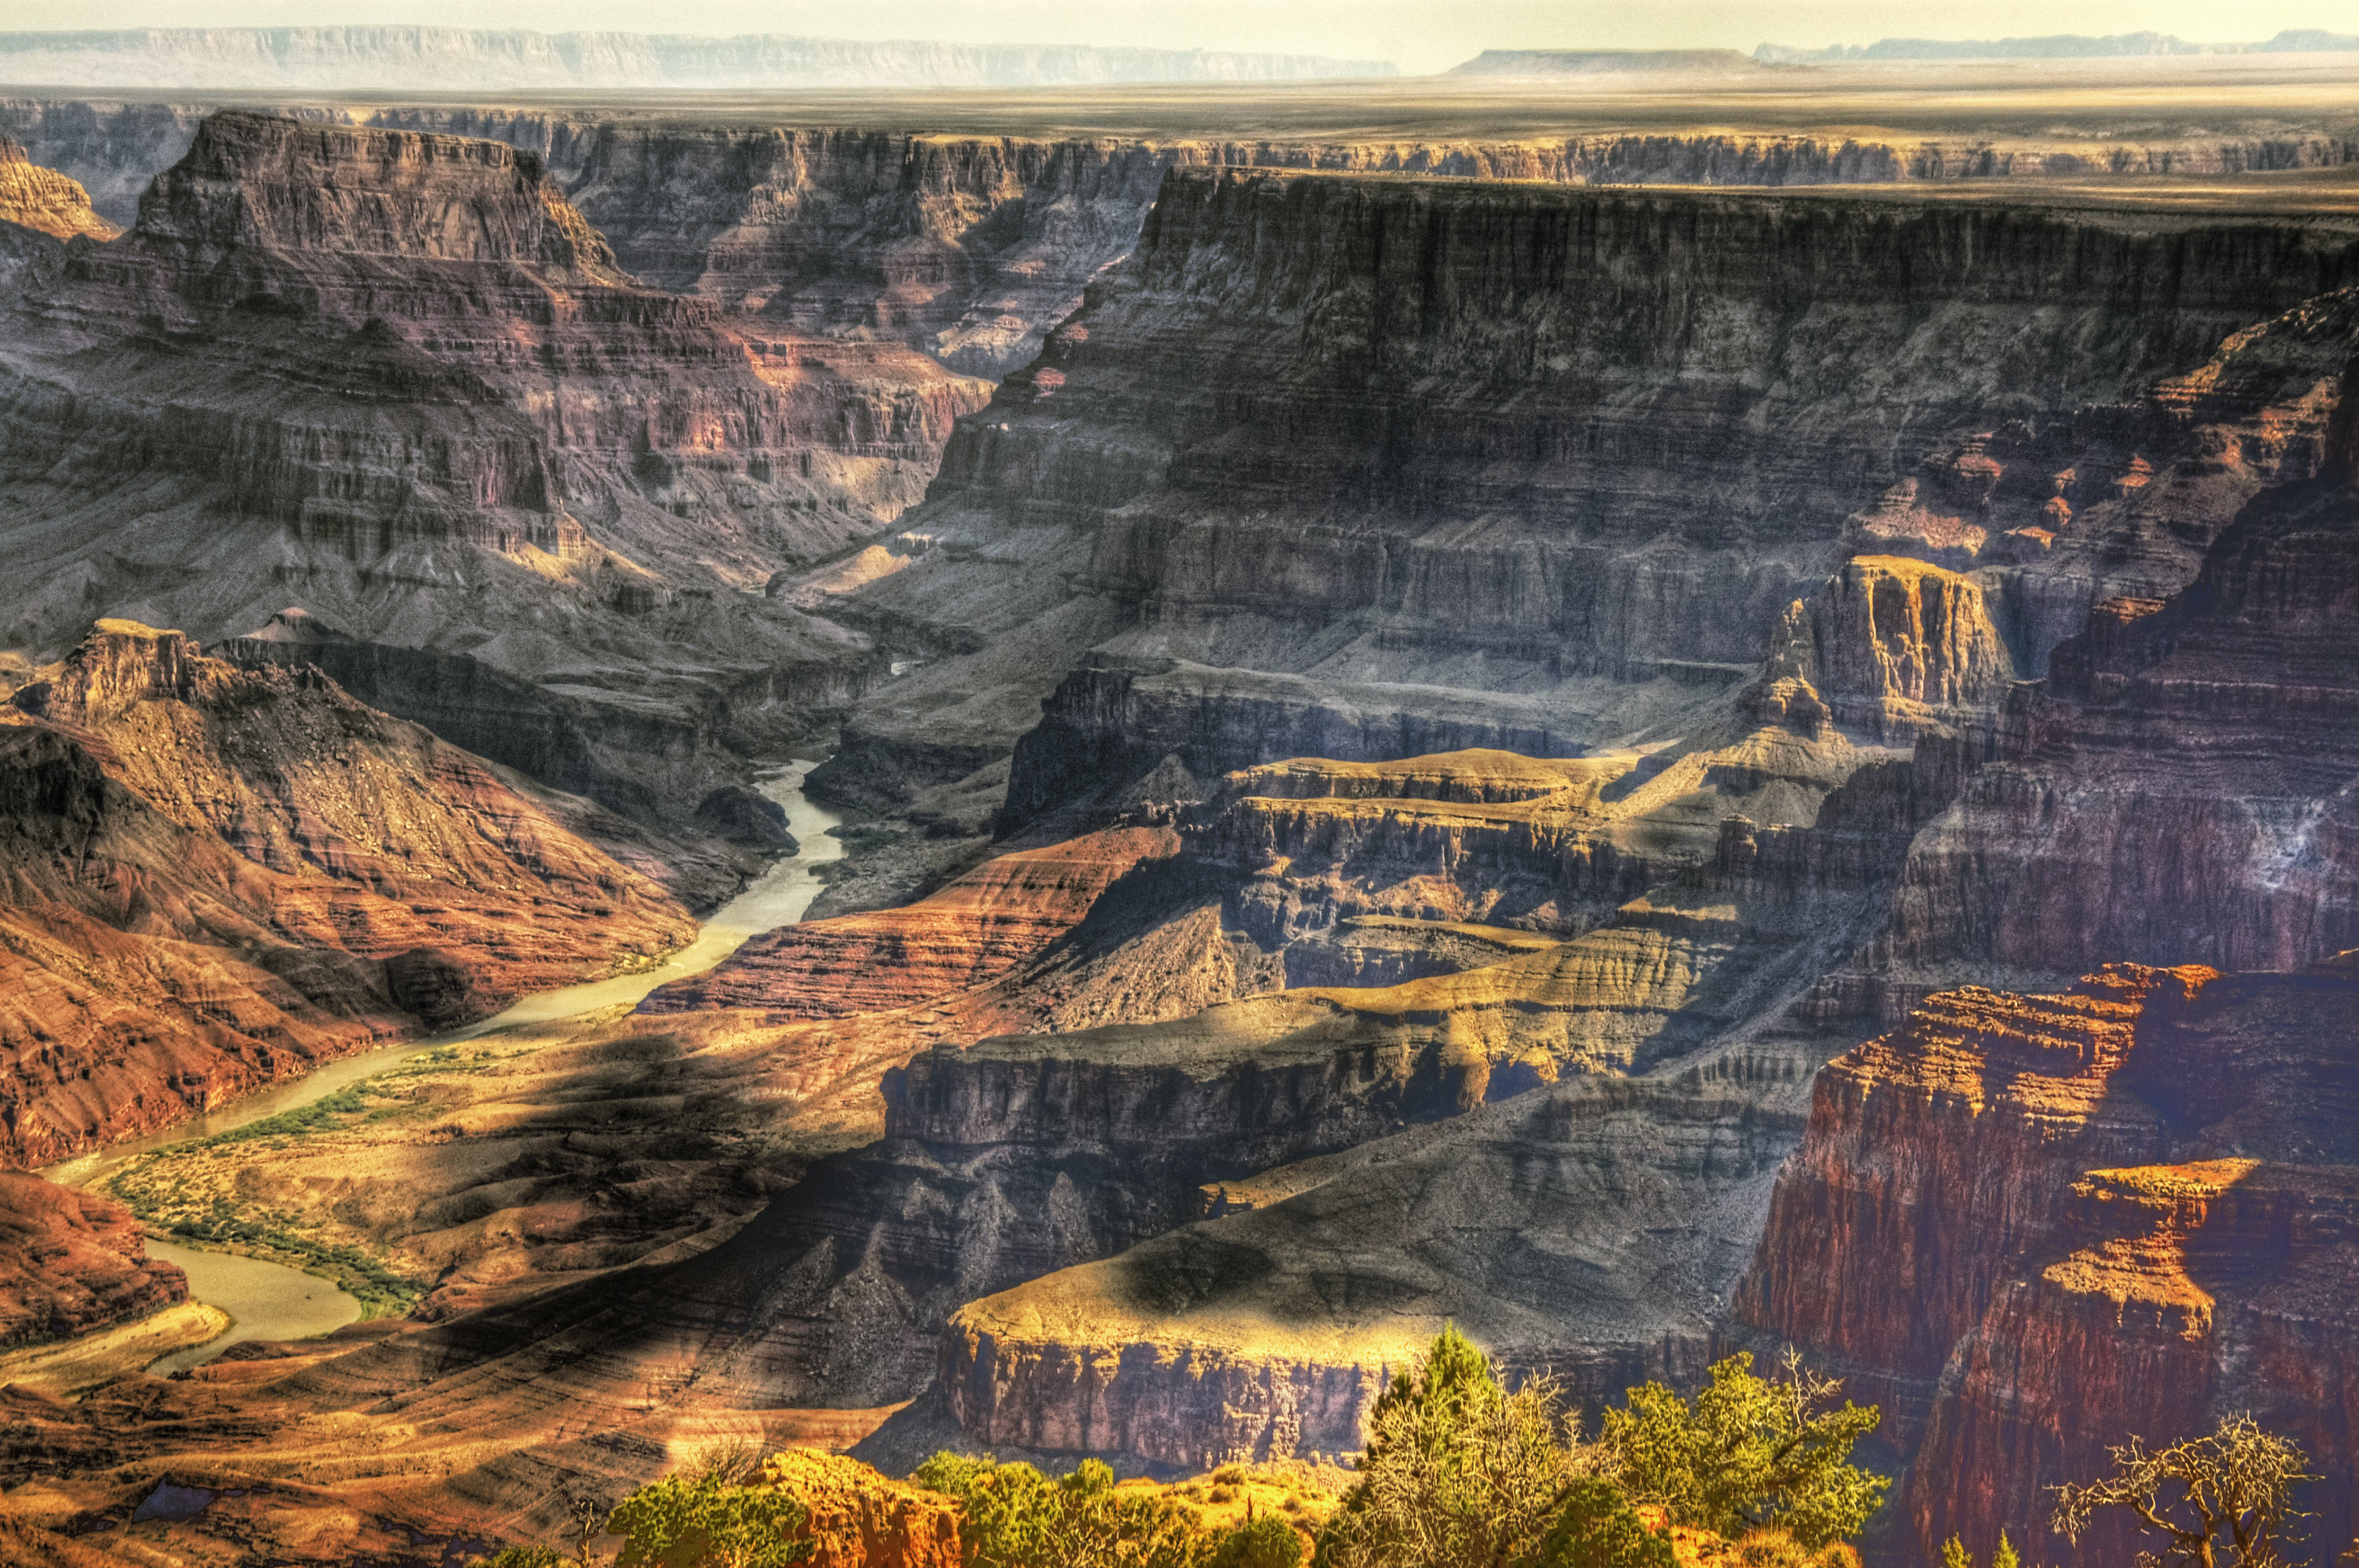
(996, 918)
(2037, 1224)
(1935, 1158)
(218, 877)
(2177, 791)
(42, 198)
(969, 248)
(513, 433)
(70, 1261)
(1890, 646)
(1550, 441)
(1593, 1230)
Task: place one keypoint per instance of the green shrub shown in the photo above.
(1457, 1469)
(1599, 1529)
(1749, 1453)
(707, 1520)
(1264, 1542)
(1014, 1517)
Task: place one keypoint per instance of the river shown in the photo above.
(271, 1300)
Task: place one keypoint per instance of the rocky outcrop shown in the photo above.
(1890, 646)
(1267, 1334)
(73, 1261)
(219, 877)
(982, 926)
(858, 1518)
(2037, 1224)
(43, 200)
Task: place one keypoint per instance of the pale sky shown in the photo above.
(1417, 35)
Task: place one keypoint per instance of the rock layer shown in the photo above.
(73, 1261)
(988, 921)
(2037, 1224)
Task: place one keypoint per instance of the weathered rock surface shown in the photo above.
(1890, 646)
(1594, 1229)
(520, 456)
(43, 200)
(2037, 1224)
(218, 877)
(73, 1261)
(996, 918)
(2176, 791)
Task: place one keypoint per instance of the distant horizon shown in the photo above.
(1416, 39)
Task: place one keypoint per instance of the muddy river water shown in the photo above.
(271, 1300)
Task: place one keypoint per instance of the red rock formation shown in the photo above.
(2041, 1224)
(70, 1261)
(44, 199)
(1934, 1159)
(999, 915)
(218, 876)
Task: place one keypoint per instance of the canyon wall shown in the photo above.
(2035, 1224)
(2175, 791)
(1268, 1333)
(513, 435)
(1564, 443)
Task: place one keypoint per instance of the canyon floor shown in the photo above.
(1683, 717)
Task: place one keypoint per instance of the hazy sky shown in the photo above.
(1417, 35)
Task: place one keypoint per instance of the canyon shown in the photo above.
(522, 461)
(1638, 741)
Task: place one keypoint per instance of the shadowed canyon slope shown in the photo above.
(1580, 449)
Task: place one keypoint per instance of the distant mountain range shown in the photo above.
(1537, 64)
(2062, 46)
(457, 58)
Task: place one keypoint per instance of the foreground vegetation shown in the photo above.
(1460, 1472)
